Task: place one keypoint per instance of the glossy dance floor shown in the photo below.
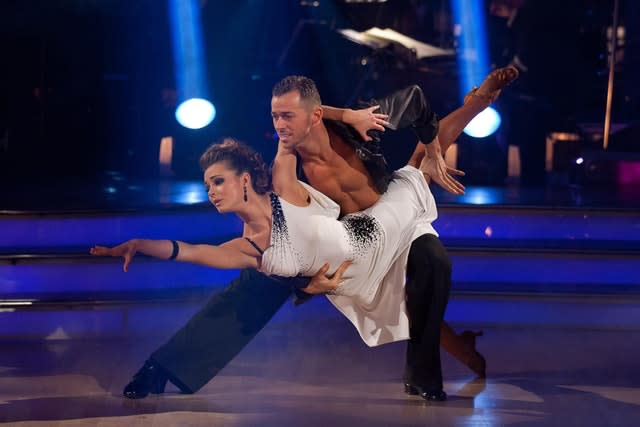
(309, 368)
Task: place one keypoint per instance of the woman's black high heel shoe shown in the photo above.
(151, 378)
(432, 396)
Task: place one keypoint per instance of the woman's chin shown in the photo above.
(223, 210)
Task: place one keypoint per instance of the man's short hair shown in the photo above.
(304, 85)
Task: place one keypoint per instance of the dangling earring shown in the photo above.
(246, 199)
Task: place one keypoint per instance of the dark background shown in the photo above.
(87, 86)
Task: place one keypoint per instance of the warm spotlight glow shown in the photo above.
(484, 124)
(166, 155)
(166, 151)
(195, 113)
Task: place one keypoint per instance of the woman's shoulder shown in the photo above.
(321, 199)
(314, 203)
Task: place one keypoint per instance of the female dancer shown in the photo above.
(297, 231)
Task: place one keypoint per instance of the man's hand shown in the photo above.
(126, 250)
(321, 283)
(365, 119)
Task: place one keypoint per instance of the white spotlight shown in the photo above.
(484, 124)
(195, 113)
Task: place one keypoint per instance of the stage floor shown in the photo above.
(311, 369)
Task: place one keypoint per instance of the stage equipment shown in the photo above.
(378, 38)
(612, 66)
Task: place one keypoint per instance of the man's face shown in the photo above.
(291, 117)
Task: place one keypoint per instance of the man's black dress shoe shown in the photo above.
(437, 395)
(151, 378)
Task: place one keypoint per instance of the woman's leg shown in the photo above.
(452, 125)
(463, 347)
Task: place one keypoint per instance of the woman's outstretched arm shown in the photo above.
(236, 253)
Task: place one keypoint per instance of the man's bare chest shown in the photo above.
(348, 187)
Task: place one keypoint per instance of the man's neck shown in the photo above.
(316, 146)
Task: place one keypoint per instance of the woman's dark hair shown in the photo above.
(240, 158)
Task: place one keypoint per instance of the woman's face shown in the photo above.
(225, 187)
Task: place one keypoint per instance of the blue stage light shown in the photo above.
(195, 113)
(472, 50)
(484, 124)
(194, 110)
(473, 60)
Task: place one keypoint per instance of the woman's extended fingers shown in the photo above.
(127, 261)
(454, 186)
(100, 251)
(114, 252)
(453, 171)
(438, 171)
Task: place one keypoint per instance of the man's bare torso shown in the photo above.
(342, 177)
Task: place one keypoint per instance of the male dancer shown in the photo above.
(231, 318)
(334, 167)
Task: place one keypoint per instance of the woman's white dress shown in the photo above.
(377, 240)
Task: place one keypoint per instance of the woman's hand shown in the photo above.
(365, 119)
(321, 283)
(127, 250)
(434, 166)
